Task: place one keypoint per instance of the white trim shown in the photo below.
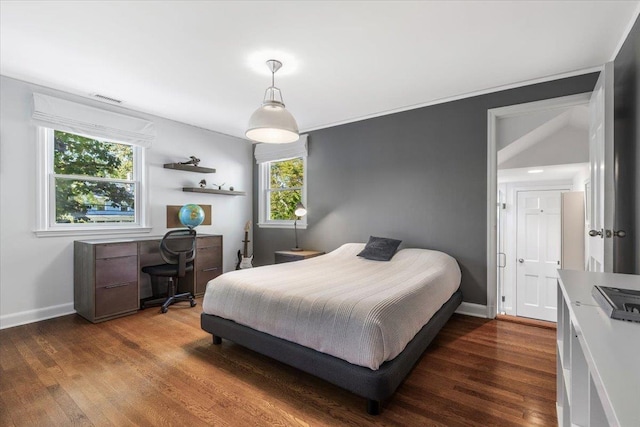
(92, 231)
(471, 309)
(45, 225)
(36, 315)
(461, 96)
(625, 33)
(263, 178)
(492, 180)
(288, 224)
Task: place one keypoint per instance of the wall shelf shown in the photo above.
(213, 191)
(189, 168)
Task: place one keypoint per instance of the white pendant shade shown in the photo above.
(273, 124)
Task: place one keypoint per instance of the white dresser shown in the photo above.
(598, 357)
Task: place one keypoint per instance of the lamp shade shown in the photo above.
(273, 124)
(300, 210)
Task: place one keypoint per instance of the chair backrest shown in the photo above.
(178, 247)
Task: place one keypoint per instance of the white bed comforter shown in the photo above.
(362, 311)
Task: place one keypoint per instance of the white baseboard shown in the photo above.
(471, 309)
(31, 316)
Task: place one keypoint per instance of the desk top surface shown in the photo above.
(132, 239)
(611, 346)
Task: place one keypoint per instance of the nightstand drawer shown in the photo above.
(289, 256)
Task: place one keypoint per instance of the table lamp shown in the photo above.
(299, 212)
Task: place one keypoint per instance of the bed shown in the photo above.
(357, 323)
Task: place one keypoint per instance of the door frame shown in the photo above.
(492, 180)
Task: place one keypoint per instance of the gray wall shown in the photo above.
(419, 176)
(627, 153)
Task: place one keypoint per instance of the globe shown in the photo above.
(191, 215)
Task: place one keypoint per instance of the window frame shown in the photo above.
(264, 220)
(46, 192)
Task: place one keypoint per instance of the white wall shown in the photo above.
(567, 145)
(36, 273)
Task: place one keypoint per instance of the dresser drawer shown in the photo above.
(113, 271)
(112, 250)
(117, 298)
(205, 242)
(203, 277)
(208, 257)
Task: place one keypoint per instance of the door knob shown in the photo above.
(619, 233)
(594, 233)
(520, 260)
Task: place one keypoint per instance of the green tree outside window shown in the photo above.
(80, 197)
(286, 179)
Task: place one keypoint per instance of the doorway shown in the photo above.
(539, 150)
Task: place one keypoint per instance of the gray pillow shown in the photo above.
(380, 248)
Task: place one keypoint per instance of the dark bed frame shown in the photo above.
(375, 386)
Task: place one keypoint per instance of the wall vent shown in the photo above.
(106, 98)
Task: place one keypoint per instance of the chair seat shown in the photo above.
(165, 270)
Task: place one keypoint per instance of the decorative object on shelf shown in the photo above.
(299, 212)
(213, 191)
(173, 220)
(231, 188)
(191, 215)
(244, 260)
(272, 123)
(203, 183)
(219, 186)
(188, 168)
(193, 161)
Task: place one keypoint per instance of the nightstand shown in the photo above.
(288, 256)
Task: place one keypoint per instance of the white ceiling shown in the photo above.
(201, 62)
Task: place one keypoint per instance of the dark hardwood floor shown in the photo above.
(153, 369)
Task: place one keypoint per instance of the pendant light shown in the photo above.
(272, 123)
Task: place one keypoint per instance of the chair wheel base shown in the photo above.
(164, 309)
(193, 303)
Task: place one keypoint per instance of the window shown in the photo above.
(282, 183)
(91, 169)
(89, 183)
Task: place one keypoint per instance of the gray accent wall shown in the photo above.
(419, 176)
(626, 74)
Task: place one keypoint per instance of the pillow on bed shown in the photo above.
(380, 248)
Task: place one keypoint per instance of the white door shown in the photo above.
(600, 245)
(538, 250)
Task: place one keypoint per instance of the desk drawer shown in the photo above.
(203, 277)
(113, 271)
(208, 257)
(117, 298)
(205, 242)
(112, 250)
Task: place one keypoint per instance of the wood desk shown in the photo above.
(108, 281)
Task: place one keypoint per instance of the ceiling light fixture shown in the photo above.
(272, 123)
(535, 171)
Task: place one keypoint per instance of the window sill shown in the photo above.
(300, 226)
(90, 232)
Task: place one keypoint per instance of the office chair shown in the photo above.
(178, 250)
